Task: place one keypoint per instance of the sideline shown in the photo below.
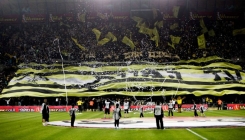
(196, 134)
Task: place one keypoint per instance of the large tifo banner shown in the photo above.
(185, 107)
(204, 76)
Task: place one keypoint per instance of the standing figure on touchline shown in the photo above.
(79, 103)
(47, 107)
(107, 109)
(195, 110)
(44, 112)
(170, 108)
(179, 102)
(116, 116)
(117, 102)
(141, 110)
(219, 104)
(158, 113)
(202, 110)
(126, 107)
(174, 102)
(72, 115)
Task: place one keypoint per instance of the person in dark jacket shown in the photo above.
(72, 114)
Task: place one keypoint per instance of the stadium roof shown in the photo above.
(17, 7)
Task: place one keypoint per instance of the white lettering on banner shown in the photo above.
(135, 71)
(154, 54)
(185, 107)
(57, 110)
(176, 74)
(7, 110)
(148, 71)
(26, 110)
(242, 107)
(32, 109)
(230, 108)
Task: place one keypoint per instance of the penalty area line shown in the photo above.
(196, 134)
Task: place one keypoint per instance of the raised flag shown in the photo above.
(176, 11)
(103, 41)
(137, 19)
(171, 45)
(111, 37)
(175, 39)
(202, 24)
(128, 42)
(158, 24)
(145, 30)
(156, 37)
(79, 45)
(97, 33)
(81, 17)
(204, 30)
(174, 26)
(201, 42)
(140, 24)
(238, 31)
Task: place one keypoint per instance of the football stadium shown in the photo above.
(122, 69)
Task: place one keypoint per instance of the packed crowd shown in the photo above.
(6, 74)
(34, 42)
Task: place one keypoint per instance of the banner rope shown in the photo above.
(176, 90)
(62, 65)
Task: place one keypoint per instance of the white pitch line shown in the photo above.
(196, 134)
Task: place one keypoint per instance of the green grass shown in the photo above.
(28, 126)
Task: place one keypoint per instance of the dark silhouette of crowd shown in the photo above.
(34, 42)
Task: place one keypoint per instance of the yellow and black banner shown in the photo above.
(205, 76)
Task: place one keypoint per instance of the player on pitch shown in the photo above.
(126, 107)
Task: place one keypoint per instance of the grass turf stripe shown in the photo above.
(196, 134)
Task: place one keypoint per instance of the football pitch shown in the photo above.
(27, 125)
